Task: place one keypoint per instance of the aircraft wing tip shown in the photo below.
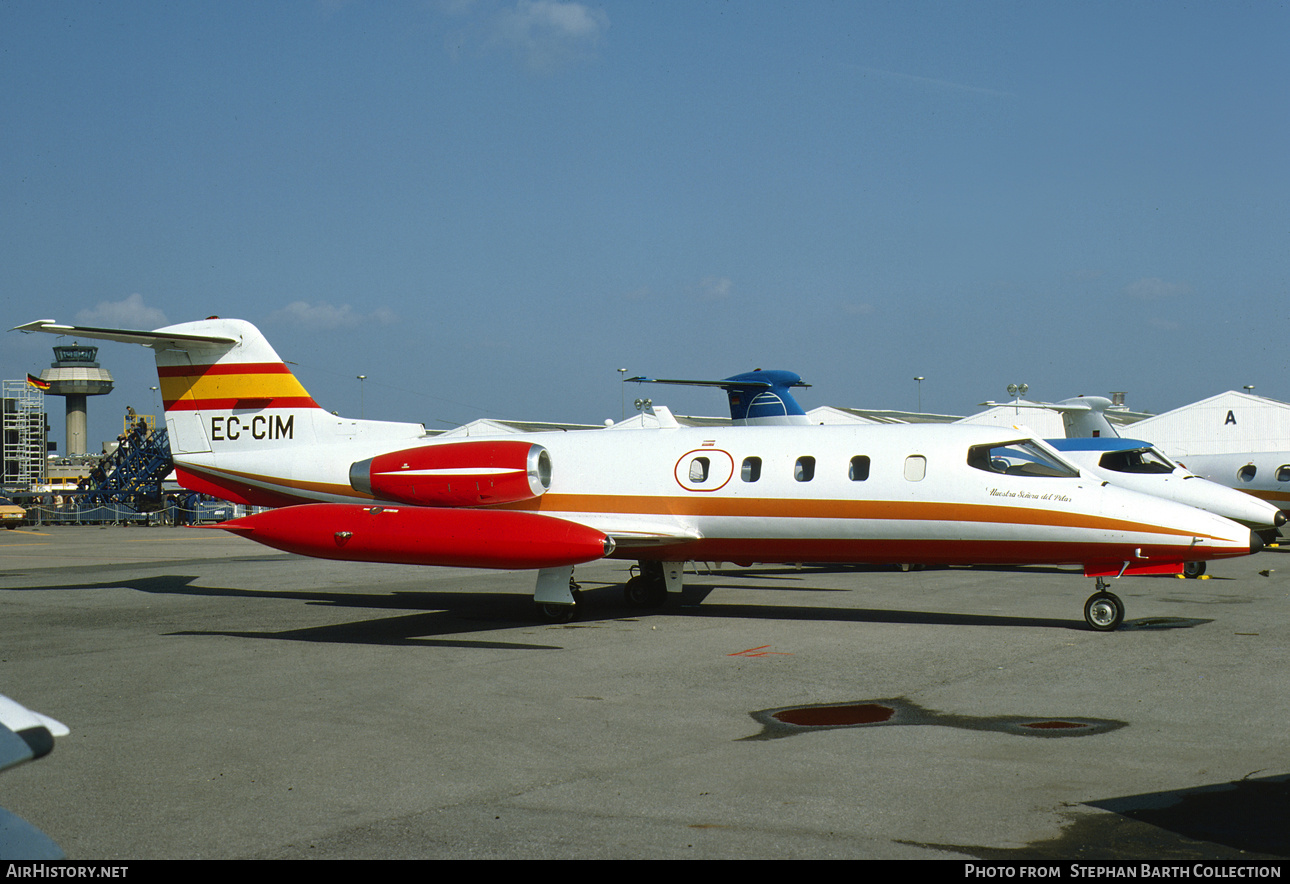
(37, 325)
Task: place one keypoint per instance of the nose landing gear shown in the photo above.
(1103, 611)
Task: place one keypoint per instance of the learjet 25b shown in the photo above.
(242, 427)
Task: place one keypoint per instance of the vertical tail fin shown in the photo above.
(1085, 416)
(756, 397)
(241, 425)
(215, 376)
(223, 382)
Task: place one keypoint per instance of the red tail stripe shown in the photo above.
(241, 402)
(196, 371)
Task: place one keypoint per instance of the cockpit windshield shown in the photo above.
(1021, 458)
(1137, 460)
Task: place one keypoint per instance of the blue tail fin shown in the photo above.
(756, 397)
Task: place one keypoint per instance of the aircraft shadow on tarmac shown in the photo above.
(1241, 820)
(453, 613)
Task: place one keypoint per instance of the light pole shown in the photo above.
(361, 378)
(1017, 390)
(622, 395)
(920, 380)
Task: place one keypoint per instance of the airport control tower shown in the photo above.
(76, 375)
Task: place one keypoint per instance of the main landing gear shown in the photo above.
(557, 595)
(648, 589)
(559, 614)
(1103, 611)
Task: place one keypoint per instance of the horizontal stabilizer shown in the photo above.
(160, 339)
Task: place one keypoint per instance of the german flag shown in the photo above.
(36, 382)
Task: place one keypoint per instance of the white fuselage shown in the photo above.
(1261, 474)
(749, 494)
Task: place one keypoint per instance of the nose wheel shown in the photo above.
(1103, 611)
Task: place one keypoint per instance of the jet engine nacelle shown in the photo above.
(477, 473)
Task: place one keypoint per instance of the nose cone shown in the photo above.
(1236, 505)
(1179, 532)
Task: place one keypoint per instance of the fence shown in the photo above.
(175, 511)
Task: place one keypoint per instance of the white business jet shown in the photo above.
(241, 426)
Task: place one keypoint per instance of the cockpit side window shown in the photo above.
(1139, 460)
(1021, 458)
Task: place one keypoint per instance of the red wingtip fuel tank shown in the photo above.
(477, 473)
(413, 535)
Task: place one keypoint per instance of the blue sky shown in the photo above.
(489, 207)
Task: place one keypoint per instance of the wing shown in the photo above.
(24, 734)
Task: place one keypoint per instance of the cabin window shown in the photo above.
(1141, 460)
(751, 469)
(915, 467)
(804, 470)
(1283, 473)
(859, 470)
(699, 470)
(1247, 472)
(1021, 458)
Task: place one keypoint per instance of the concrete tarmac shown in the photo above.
(229, 701)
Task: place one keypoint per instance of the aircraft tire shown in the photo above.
(557, 614)
(1192, 570)
(1104, 611)
(645, 591)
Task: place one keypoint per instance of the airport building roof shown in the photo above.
(1228, 422)
(830, 414)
